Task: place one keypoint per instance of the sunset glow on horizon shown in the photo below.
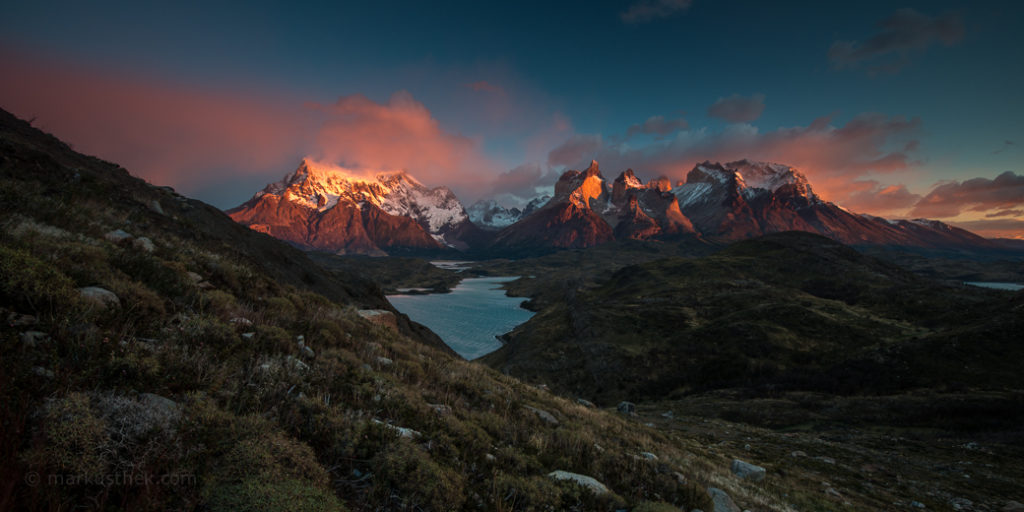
(902, 111)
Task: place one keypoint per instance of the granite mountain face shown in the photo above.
(322, 207)
(333, 209)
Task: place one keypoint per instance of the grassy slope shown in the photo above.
(789, 311)
(249, 428)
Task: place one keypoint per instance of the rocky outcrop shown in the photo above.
(587, 211)
(328, 208)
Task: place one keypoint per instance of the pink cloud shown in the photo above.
(977, 194)
(400, 134)
(486, 86)
(871, 196)
(188, 137)
(831, 156)
(738, 109)
(168, 134)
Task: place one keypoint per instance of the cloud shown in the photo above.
(978, 194)
(643, 11)
(575, 150)
(903, 33)
(166, 133)
(523, 182)
(1006, 213)
(879, 199)
(738, 109)
(831, 156)
(400, 134)
(658, 125)
(1002, 228)
(486, 86)
(1007, 144)
(199, 139)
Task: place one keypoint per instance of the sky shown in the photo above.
(904, 110)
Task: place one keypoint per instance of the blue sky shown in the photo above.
(935, 86)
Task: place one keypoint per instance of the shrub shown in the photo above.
(32, 284)
(418, 479)
(75, 438)
(259, 495)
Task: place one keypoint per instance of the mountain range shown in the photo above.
(328, 208)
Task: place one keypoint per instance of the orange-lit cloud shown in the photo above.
(831, 156)
(974, 195)
(485, 86)
(400, 134)
(168, 134)
(885, 200)
(190, 138)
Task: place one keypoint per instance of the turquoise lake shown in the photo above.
(470, 317)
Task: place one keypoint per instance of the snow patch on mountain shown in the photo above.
(322, 186)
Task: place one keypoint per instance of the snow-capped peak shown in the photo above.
(321, 186)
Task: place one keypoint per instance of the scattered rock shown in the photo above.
(917, 504)
(544, 415)
(407, 433)
(668, 415)
(117, 236)
(583, 480)
(19, 320)
(627, 408)
(33, 339)
(144, 244)
(747, 447)
(722, 501)
(490, 458)
(798, 453)
(1013, 506)
(248, 335)
(366, 367)
(195, 278)
(100, 296)
(308, 353)
(155, 207)
(42, 372)
(240, 321)
(301, 340)
(961, 503)
(296, 363)
(681, 478)
(748, 471)
(380, 317)
(441, 409)
(826, 460)
(648, 455)
(585, 403)
(165, 406)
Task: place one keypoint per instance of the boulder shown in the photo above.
(100, 296)
(588, 482)
(542, 414)
(722, 501)
(308, 352)
(648, 455)
(33, 339)
(380, 317)
(585, 403)
(748, 471)
(163, 406)
(155, 207)
(383, 361)
(143, 244)
(627, 408)
(117, 236)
